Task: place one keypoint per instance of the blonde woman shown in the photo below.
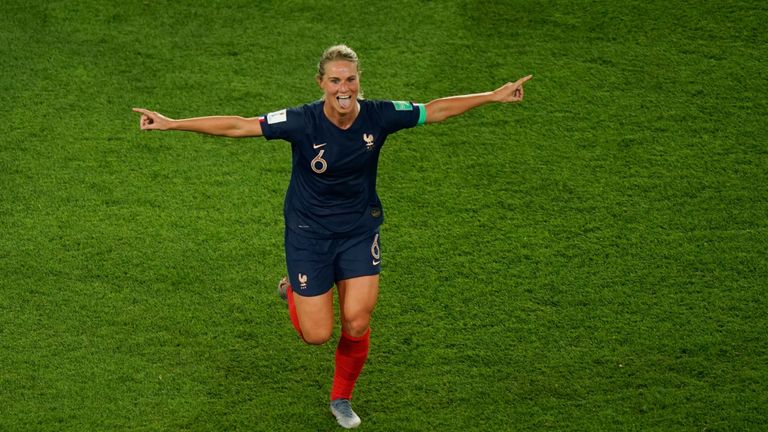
(332, 211)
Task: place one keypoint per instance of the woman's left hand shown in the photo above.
(512, 91)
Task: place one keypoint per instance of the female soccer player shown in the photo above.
(332, 212)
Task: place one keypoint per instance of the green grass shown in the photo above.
(591, 259)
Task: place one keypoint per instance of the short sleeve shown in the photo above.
(397, 115)
(284, 124)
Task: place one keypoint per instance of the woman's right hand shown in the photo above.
(151, 120)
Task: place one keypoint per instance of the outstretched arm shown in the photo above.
(443, 108)
(229, 126)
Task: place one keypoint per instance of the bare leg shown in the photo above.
(315, 315)
(357, 299)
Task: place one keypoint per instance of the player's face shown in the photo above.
(341, 85)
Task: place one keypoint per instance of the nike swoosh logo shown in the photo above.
(317, 146)
(376, 262)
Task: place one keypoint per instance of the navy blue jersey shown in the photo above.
(332, 192)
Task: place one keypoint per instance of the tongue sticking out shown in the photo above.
(345, 102)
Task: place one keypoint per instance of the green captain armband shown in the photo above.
(422, 113)
(408, 106)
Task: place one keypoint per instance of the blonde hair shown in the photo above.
(334, 53)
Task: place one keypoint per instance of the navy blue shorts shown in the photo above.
(315, 265)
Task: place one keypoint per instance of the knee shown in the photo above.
(316, 337)
(357, 327)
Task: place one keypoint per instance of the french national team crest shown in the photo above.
(368, 138)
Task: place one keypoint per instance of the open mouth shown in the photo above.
(344, 101)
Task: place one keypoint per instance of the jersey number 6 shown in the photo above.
(318, 160)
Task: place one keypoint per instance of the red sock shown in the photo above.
(350, 358)
(292, 311)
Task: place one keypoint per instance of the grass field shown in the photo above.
(591, 259)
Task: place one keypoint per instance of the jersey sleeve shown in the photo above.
(397, 115)
(284, 124)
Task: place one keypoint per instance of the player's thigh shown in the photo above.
(315, 315)
(357, 300)
(311, 273)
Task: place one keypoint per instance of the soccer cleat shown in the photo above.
(342, 410)
(282, 288)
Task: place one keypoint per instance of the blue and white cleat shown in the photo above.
(282, 288)
(342, 410)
